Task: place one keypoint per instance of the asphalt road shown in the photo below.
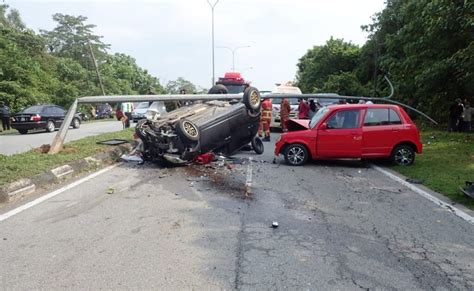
(17, 143)
(342, 225)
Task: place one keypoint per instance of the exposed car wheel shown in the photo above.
(218, 89)
(50, 127)
(252, 99)
(257, 145)
(188, 129)
(403, 155)
(23, 131)
(76, 123)
(296, 154)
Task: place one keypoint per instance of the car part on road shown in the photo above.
(468, 189)
(257, 145)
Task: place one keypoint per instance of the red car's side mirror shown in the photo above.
(323, 126)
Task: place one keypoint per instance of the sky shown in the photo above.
(173, 38)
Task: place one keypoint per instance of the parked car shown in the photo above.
(104, 111)
(47, 116)
(140, 111)
(352, 131)
(218, 126)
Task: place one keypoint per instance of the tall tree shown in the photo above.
(320, 62)
(174, 87)
(71, 37)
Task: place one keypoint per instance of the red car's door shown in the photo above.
(382, 130)
(342, 135)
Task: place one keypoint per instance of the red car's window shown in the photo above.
(344, 119)
(381, 116)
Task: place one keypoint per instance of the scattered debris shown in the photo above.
(468, 189)
(110, 190)
(132, 158)
(414, 181)
(275, 224)
(113, 142)
(204, 159)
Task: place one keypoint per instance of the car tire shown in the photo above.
(403, 155)
(50, 127)
(296, 154)
(252, 99)
(188, 130)
(257, 145)
(23, 131)
(218, 89)
(76, 123)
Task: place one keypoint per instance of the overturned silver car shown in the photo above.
(222, 127)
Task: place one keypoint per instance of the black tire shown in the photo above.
(257, 145)
(188, 130)
(76, 123)
(23, 131)
(252, 99)
(296, 154)
(403, 155)
(218, 89)
(50, 126)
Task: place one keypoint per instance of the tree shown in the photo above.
(320, 62)
(71, 37)
(174, 87)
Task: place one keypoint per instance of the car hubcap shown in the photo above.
(51, 126)
(254, 99)
(190, 128)
(403, 157)
(295, 155)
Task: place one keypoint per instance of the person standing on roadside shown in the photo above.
(467, 113)
(312, 109)
(455, 115)
(5, 116)
(122, 117)
(303, 109)
(285, 109)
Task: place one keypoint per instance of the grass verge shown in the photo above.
(446, 163)
(34, 162)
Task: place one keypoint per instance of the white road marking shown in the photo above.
(427, 195)
(52, 194)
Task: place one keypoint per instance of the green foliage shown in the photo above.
(344, 83)
(175, 87)
(446, 163)
(57, 66)
(320, 62)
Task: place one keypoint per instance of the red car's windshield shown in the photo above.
(317, 117)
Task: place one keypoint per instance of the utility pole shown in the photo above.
(213, 66)
(96, 67)
(232, 50)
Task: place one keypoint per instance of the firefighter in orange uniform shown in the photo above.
(285, 109)
(265, 119)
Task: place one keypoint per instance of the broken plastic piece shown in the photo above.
(131, 158)
(204, 159)
(275, 224)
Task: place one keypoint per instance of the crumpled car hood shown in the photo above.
(297, 124)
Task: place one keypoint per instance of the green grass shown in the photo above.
(4, 132)
(446, 163)
(33, 162)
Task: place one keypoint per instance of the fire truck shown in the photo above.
(232, 83)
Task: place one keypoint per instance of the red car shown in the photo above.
(352, 131)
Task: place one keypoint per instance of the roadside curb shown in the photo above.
(433, 196)
(27, 186)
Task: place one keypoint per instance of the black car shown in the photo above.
(214, 126)
(48, 116)
(104, 111)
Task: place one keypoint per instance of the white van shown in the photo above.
(284, 89)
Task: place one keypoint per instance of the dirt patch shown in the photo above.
(44, 149)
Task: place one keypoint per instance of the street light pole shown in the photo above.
(212, 10)
(232, 50)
